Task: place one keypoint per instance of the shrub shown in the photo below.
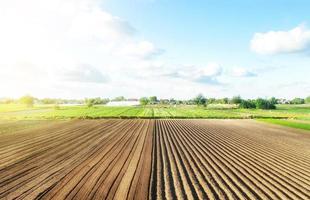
(200, 100)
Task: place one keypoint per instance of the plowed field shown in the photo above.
(155, 159)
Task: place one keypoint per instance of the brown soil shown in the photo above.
(155, 159)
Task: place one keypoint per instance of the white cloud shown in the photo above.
(276, 42)
(84, 73)
(207, 74)
(55, 36)
(242, 72)
(143, 49)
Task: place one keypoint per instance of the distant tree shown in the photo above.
(264, 104)
(172, 101)
(247, 104)
(179, 102)
(164, 101)
(307, 99)
(200, 100)
(48, 101)
(120, 98)
(144, 101)
(153, 100)
(211, 100)
(298, 101)
(225, 100)
(236, 100)
(273, 100)
(90, 102)
(95, 101)
(27, 100)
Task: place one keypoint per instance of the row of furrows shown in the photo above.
(158, 159)
(206, 161)
(285, 160)
(63, 152)
(100, 159)
(254, 153)
(44, 141)
(43, 156)
(290, 143)
(70, 184)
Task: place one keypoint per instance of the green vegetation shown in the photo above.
(27, 100)
(200, 100)
(298, 101)
(144, 101)
(223, 111)
(294, 114)
(289, 123)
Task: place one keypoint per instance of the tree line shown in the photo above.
(199, 100)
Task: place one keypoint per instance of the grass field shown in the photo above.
(295, 116)
(155, 159)
(290, 123)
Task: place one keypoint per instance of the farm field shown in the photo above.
(296, 116)
(16, 111)
(155, 159)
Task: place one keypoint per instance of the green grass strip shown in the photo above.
(289, 123)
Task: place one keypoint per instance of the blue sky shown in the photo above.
(88, 48)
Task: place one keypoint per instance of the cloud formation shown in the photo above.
(84, 73)
(141, 50)
(242, 72)
(207, 74)
(57, 36)
(277, 42)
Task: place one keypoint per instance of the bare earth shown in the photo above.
(155, 159)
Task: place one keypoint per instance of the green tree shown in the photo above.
(225, 100)
(264, 104)
(236, 100)
(27, 100)
(298, 101)
(90, 102)
(273, 100)
(200, 100)
(211, 100)
(153, 100)
(144, 101)
(247, 104)
(307, 99)
(120, 98)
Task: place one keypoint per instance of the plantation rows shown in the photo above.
(155, 159)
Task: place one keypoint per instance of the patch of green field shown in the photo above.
(17, 112)
(289, 123)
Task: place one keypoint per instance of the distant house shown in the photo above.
(131, 102)
(283, 101)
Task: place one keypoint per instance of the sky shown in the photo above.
(167, 48)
